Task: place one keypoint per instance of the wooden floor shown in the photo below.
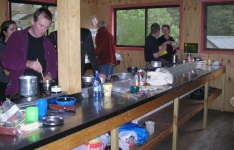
(217, 136)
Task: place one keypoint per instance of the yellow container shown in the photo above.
(107, 102)
(107, 87)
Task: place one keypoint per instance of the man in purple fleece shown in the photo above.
(30, 52)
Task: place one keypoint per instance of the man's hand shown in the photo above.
(164, 46)
(102, 75)
(6, 72)
(168, 42)
(48, 76)
(35, 65)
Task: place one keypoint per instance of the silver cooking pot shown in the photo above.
(46, 85)
(28, 86)
(87, 79)
(121, 76)
(155, 64)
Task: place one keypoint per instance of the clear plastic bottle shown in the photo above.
(189, 57)
(97, 86)
(209, 62)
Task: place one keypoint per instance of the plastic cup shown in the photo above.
(85, 93)
(134, 89)
(32, 114)
(150, 127)
(42, 107)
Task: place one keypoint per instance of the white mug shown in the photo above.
(150, 127)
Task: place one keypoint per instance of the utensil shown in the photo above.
(43, 78)
(62, 108)
(87, 79)
(52, 120)
(28, 86)
(155, 64)
(122, 76)
(66, 101)
(46, 85)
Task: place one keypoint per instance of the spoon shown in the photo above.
(43, 78)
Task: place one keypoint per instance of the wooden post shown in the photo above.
(223, 92)
(175, 123)
(115, 139)
(3, 10)
(205, 113)
(69, 60)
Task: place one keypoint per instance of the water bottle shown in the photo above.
(97, 86)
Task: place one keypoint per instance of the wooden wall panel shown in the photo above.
(68, 45)
(130, 58)
(3, 10)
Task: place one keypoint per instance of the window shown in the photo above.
(219, 26)
(132, 25)
(22, 14)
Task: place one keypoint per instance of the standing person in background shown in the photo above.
(7, 28)
(105, 49)
(166, 38)
(29, 52)
(152, 51)
(87, 47)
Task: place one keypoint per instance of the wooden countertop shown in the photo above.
(93, 119)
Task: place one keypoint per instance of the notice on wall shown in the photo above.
(190, 47)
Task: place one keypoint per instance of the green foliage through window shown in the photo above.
(132, 25)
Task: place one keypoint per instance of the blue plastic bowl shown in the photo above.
(66, 101)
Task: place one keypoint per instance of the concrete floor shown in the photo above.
(218, 135)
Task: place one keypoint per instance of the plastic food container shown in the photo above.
(56, 89)
(107, 87)
(62, 101)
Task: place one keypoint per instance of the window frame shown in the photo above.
(203, 40)
(142, 6)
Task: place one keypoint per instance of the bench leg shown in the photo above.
(223, 92)
(115, 139)
(175, 124)
(205, 113)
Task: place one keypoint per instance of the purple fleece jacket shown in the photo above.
(15, 57)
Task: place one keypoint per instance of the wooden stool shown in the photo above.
(232, 103)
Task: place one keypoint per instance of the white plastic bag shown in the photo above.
(159, 77)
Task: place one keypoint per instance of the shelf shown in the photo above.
(164, 118)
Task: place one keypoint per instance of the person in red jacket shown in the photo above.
(105, 49)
